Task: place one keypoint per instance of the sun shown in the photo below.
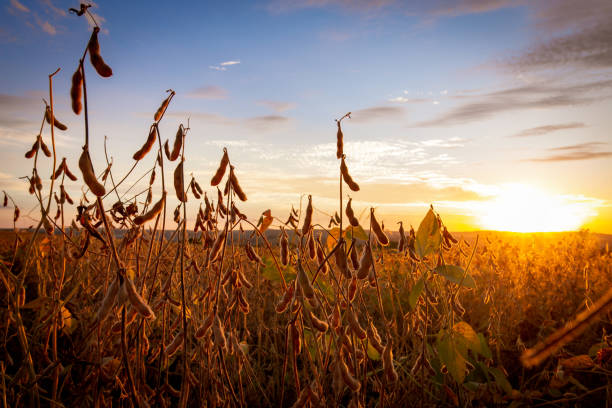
(524, 208)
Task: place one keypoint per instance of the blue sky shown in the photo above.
(452, 101)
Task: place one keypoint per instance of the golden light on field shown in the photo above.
(524, 208)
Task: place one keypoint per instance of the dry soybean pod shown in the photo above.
(178, 143)
(216, 179)
(351, 214)
(347, 177)
(179, 186)
(284, 249)
(317, 323)
(76, 90)
(388, 367)
(236, 185)
(56, 122)
(146, 148)
(304, 281)
(137, 301)
(365, 263)
(347, 377)
(341, 261)
(44, 148)
(282, 304)
(339, 141)
(152, 213)
(355, 326)
(94, 55)
(70, 175)
(307, 217)
(89, 176)
(216, 248)
(30, 153)
(108, 301)
(311, 245)
(164, 105)
(382, 238)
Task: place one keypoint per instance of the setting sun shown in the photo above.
(524, 208)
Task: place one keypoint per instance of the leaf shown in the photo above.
(68, 323)
(501, 380)
(468, 336)
(372, 352)
(428, 237)
(455, 274)
(415, 293)
(332, 238)
(485, 351)
(451, 356)
(355, 232)
(270, 272)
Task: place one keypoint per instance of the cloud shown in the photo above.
(532, 96)
(579, 146)
(223, 65)
(589, 47)
(542, 130)
(377, 112)
(48, 28)
(582, 151)
(208, 92)
(573, 156)
(281, 6)
(259, 123)
(277, 106)
(266, 122)
(53, 8)
(403, 99)
(463, 7)
(19, 6)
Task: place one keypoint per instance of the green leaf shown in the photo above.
(356, 232)
(415, 293)
(372, 352)
(451, 356)
(501, 380)
(428, 237)
(455, 274)
(468, 336)
(485, 351)
(332, 238)
(270, 272)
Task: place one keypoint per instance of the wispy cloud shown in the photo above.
(403, 99)
(209, 92)
(589, 47)
(542, 130)
(540, 95)
(581, 151)
(260, 123)
(377, 112)
(53, 8)
(580, 146)
(277, 106)
(47, 27)
(19, 6)
(223, 65)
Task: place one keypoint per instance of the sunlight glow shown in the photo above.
(524, 208)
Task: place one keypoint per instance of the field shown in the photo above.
(453, 345)
(125, 304)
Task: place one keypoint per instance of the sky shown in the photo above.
(496, 112)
